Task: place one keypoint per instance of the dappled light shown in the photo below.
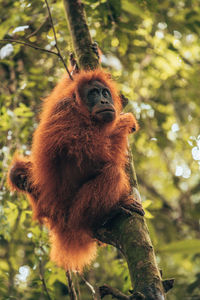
(152, 50)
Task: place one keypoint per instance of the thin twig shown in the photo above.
(29, 45)
(43, 280)
(58, 53)
(88, 284)
(52, 25)
(72, 292)
(93, 290)
(77, 287)
(56, 42)
(38, 29)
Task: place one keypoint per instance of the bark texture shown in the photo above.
(131, 237)
(80, 34)
(128, 233)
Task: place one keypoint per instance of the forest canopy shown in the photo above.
(152, 50)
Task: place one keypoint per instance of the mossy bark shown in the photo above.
(80, 34)
(129, 234)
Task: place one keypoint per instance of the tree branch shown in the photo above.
(56, 41)
(39, 28)
(108, 290)
(95, 294)
(29, 45)
(41, 273)
(38, 48)
(58, 53)
(72, 291)
(81, 38)
(129, 234)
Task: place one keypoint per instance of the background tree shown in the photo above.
(153, 52)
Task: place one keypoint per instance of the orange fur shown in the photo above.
(78, 167)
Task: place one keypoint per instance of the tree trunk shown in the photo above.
(129, 234)
(80, 34)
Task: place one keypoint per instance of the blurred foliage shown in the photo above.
(152, 49)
